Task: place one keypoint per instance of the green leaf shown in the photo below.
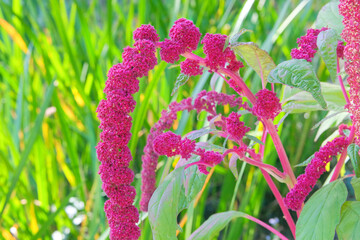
(323, 211)
(329, 17)
(212, 226)
(300, 74)
(306, 162)
(349, 225)
(327, 42)
(233, 165)
(353, 152)
(180, 80)
(198, 133)
(255, 139)
(34, 133)
(233, 39)
(331, 119)
(175, 193)
(256, 58)
(297, 101)
(355, 182)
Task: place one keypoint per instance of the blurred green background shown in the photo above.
(54, 56)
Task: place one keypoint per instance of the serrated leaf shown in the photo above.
(300, 74)
(198, 133)
(329, 17)
(323, 211)
(327, 42)
(255, 139)
(298, 101)
(353, 152)
(235, 37)
(256, 58)
(233, 165)
(180, 80)
(349, 225)
(355, 182)
(214, 224)
(306, 162)
(175, 193)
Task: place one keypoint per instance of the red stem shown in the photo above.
(280, 201)
(268, 227)
(276, 139)
(341, 82)
(342, 158)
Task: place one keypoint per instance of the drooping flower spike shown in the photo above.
(112, 150)
(350, 9)
(305, 182)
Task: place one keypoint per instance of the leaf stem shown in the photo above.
(341, 82)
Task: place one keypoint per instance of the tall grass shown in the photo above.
(54, 56)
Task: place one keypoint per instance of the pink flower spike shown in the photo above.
(305, 182)
(187, 146)
(116, 214)
(170, 51)
(167, 144)
(125, 231)
(267, 104)
(207, 159)
(191, 67)
(186, 34)
(340, 49)
(235, 127)
(146, 32)
(307, 45)
(213, 48)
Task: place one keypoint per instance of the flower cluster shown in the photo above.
(184, 37)
(267, 104)
(216, 56)
(207, 159)
(350, 9)
(112, 150)
(190, 67)
(235, 127)
(307, 45)
(170, 144)
(305, 182)
(205, 101)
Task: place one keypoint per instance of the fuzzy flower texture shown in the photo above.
(307, 45)
(112, 150)
(350, 9)
(305, 182)
(115, 120)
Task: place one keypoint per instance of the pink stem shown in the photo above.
(342, 158)
(268, 227)
(341, 82)
(269, 125)
(281, 152)
(263, 139)
(274, 189)
(277, 142)
(280, 201)
(259, 164)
